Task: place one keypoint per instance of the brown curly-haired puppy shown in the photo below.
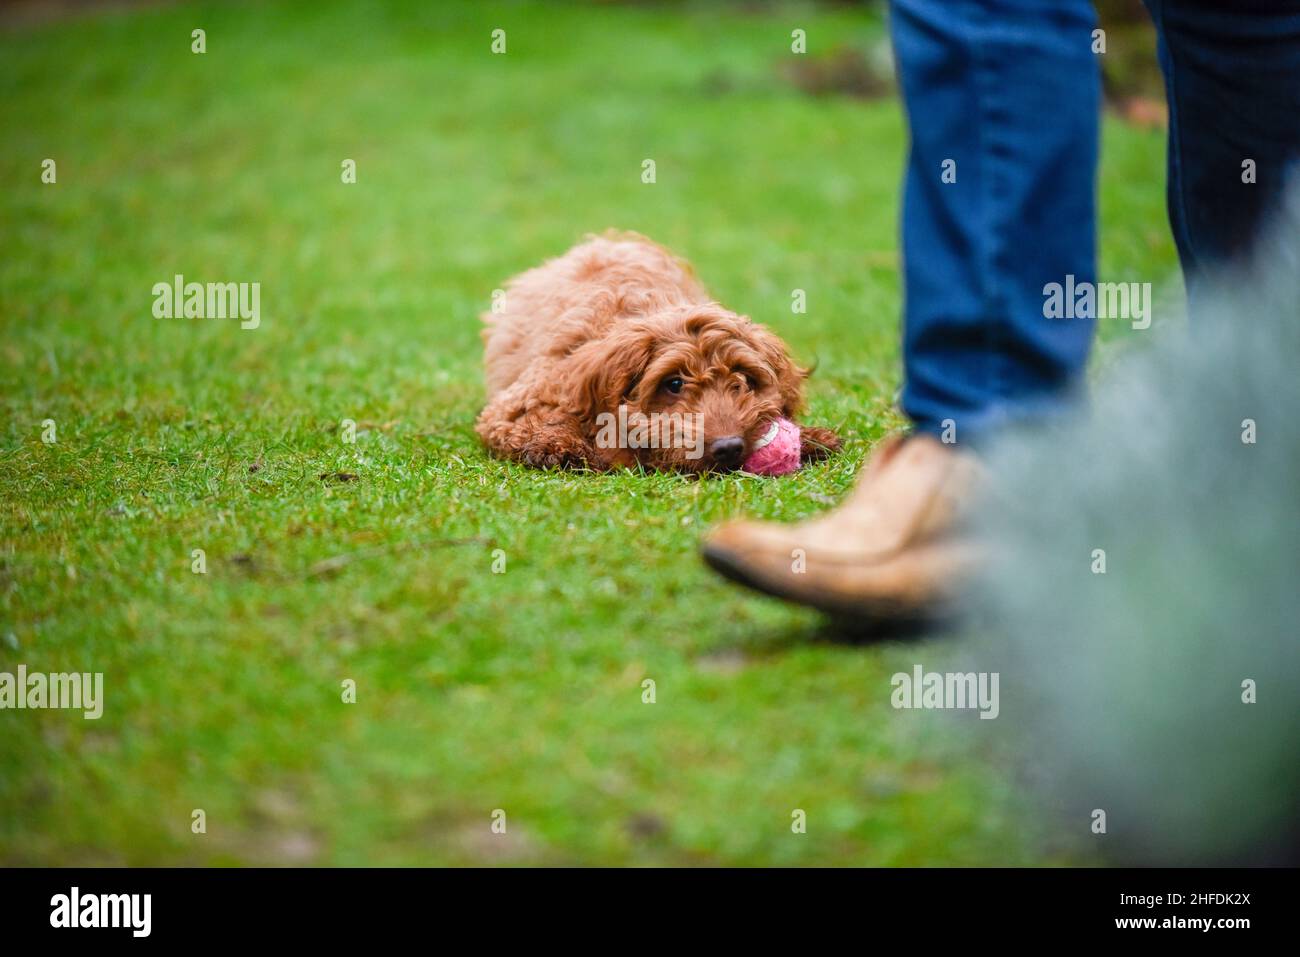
(621, 321)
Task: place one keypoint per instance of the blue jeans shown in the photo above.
(1003, 101)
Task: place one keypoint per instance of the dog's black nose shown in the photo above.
(727, 450)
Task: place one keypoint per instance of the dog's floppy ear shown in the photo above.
(789, 377)
(605, 370)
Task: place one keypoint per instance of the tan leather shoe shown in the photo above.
(890, 551)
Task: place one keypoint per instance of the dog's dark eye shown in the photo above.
(674, 385)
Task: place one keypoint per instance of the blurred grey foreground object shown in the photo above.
(1124, 689)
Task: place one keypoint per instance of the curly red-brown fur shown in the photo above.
(619, 320)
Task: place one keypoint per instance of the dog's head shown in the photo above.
(691, 389)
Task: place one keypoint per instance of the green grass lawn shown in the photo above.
(476, 690)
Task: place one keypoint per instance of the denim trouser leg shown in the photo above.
(1232, 76)
(1010, 91)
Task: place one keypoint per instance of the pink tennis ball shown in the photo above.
(777, 452)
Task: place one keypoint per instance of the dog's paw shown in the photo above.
(816, 443)
(556, 452)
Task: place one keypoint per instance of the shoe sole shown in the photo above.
(886, 615)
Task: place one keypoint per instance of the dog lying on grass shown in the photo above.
(614, 356)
